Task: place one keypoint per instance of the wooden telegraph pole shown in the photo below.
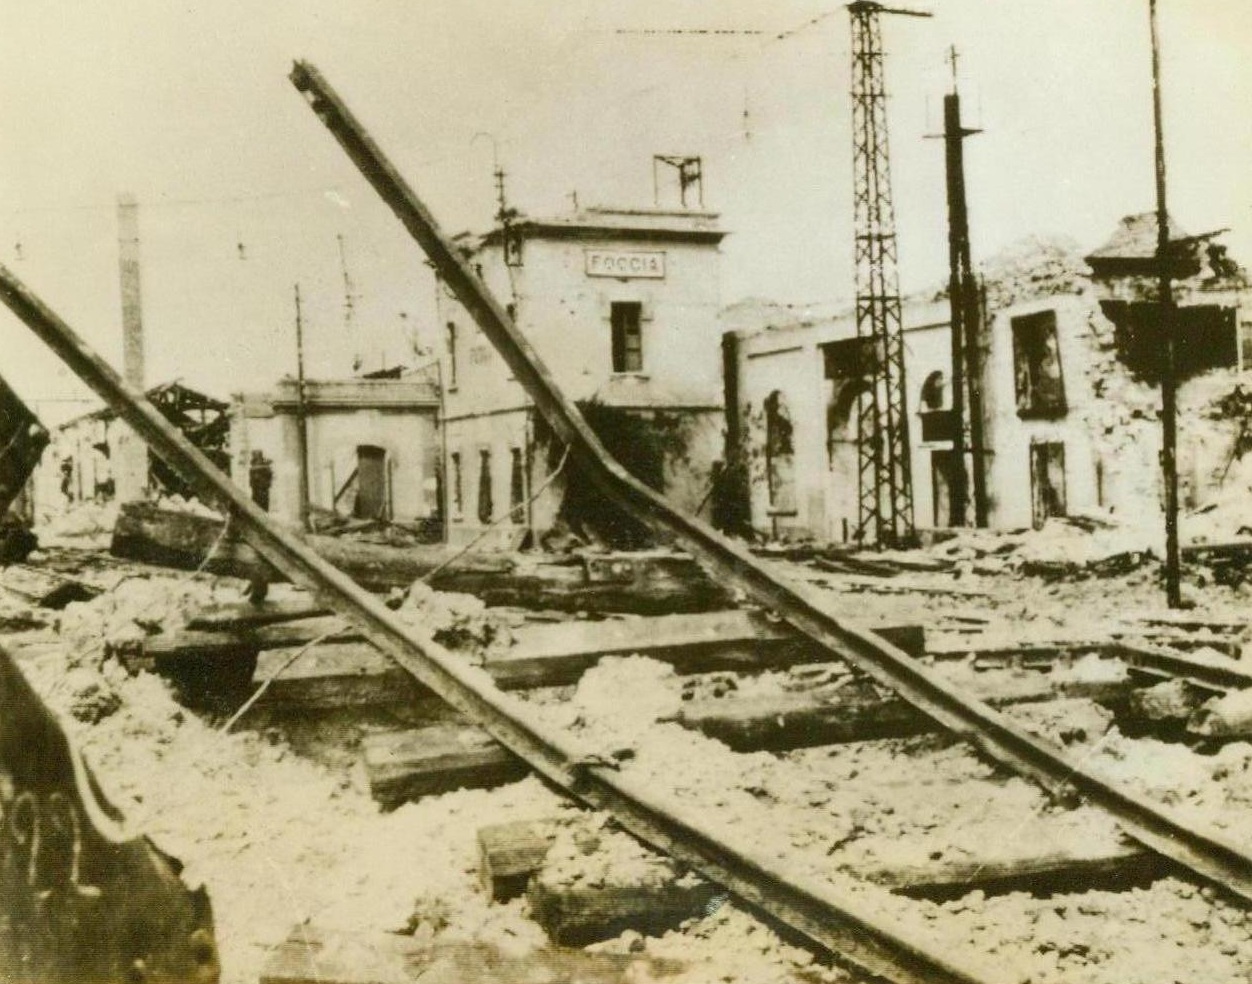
(302, 416)
(1166, 322)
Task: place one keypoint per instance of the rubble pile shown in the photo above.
(87, 525)
(459, 621)
(1217, 412)
(1037, 266)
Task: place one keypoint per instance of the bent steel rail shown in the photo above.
(1203, 852)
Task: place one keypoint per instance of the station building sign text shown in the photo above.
(625, 263)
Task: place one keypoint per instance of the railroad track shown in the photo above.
(858, 786)
(831, 913)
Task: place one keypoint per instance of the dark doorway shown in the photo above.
(943, 465)
(371, 482)
(1047, 481)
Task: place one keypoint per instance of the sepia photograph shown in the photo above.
(657, 492)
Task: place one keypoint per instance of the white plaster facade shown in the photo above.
(346, 420)
(563, 281)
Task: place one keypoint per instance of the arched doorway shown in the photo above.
(780, 467)
(848, 399)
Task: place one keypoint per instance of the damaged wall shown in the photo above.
(372, 442)
(791, 374)
(1070, 425)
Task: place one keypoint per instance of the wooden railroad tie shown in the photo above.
(512, 854)
(424, 761)
(348, 671)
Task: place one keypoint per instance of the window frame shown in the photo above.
(626, 358)
(486, 489)
(456, 490)
(450, 340)
(1040, 395)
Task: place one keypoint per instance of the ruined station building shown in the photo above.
(622, 306)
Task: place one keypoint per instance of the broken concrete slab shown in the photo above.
(315, 955)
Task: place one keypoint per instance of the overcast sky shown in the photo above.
(244, 194)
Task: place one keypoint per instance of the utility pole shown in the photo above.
(1165, 306)
(349, 298)
(966, 321)
(302, 418)
(884, 481)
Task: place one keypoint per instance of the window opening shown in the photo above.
(485, 506)
(1037, 366)
(517, 486)
(458, 496)
(626, 319)
(779, 453)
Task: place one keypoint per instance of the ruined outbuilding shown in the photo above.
(372, 447)
(82, 462)
(1071, 406)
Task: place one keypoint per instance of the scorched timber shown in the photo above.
(511, 854)
(643, 583)
(548, 655)
(424, 761)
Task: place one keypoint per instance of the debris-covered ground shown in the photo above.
(282, 838)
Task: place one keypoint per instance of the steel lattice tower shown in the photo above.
(884, 482)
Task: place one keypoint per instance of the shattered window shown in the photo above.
(1037, 366)
(626, 317)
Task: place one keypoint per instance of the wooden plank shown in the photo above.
(1049, 871)
(172, 646)
(655, 582)
(552, 655)
(542, 655)
(1054, 859)
(337, 675)
(1194, 621)
(316, 955)
(578, 915)
(895, 585)
(246, 615)
(437, 759)
(855, 710)
(508, 854)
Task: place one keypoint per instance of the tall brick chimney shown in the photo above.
(129, 453)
